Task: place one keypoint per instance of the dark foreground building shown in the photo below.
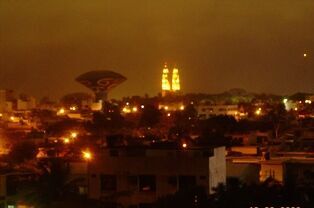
(138, 177)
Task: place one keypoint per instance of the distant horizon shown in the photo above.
(17, 93)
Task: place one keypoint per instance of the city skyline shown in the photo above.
(217, 45)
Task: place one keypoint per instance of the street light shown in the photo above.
(66, 140)
(134, 109)
(285, 100)
(73, 108)
(258, 111)
(61, 111)
(87, 155)
(74, 134)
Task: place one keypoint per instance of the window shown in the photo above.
(172, 180)
(108, 183)
(186, 182)
(132, 180)
(114, 153)
(147, 183)
(82, 190)
(12, 183)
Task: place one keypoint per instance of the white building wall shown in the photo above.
(217, 169)
(205, 111)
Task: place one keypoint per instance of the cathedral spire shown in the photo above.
(175, 84)
(165, 84)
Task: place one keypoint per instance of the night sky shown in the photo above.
(217, 45)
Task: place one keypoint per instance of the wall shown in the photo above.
(217, 168)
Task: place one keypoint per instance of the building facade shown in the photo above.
(138, 177)
(207, 110)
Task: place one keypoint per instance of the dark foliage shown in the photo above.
(22, 151)
(150, 116)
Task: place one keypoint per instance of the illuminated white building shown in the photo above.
(175, 84)
(205, 111)
(166, 87)
(165, 84)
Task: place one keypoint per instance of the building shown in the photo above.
(165, 84)
(175, 83)
(12, 189)
(166, 87)
(138, 177)
(101, 82)
(205, 110)
(286, 168)
(2, 101)
(249, 138)
(28, 104)
(6, 98)
(171, 106)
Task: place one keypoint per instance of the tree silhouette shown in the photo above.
(278, 117)
(150, 116)
(22, 151)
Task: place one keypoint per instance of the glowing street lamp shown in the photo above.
(74, 134)
(258, 111)
(66, 140)
(73, 108)
(134, 109)
(184, 145)
(285, 100)
(87, 155)
(61, 111)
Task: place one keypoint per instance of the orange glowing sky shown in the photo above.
(257, 45)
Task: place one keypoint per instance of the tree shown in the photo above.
(53, 185)
(22, 152)
(76, 99)
(150, 116)
(278, 118)
(218, 124)
(107, 121)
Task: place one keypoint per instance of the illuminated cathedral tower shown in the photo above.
(166, 87)
(175, 84)
(165, 84)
